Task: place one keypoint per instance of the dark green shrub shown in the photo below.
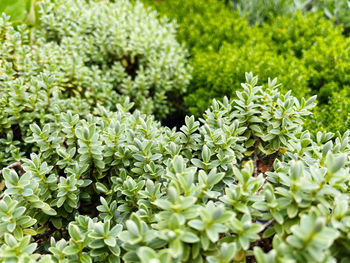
(116, 186)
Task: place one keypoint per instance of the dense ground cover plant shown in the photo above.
(116, 48)
(244, 179)
(336, 113)
(199, 28)
(308, 53)
(259, 11)
(100, 59)
(103, 56)
(89, 179)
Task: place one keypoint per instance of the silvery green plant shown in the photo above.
(119, 187)
(258, 12)
(112, 53)
(114, 49)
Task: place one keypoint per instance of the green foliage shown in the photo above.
(137, 57)
(217, 74)
(264, 10)
(204, 25)
(69, 68)
(106, 55)
(335, 114)
(89, 177)
(309, 60)
(117, 187)
(19, 10)
(308, 54)
(259, 11)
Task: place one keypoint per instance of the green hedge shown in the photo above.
(307, 53)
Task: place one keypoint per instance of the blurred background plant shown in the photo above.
(259, 11)
(19, 10)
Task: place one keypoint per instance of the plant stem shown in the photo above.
(267, 224)
(255, 160)
(16, 164)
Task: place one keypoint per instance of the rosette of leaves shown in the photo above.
(116, 186)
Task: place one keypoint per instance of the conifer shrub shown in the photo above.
(245, 182)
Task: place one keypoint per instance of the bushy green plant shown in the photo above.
(336, 113)
(116, 186)
(259, 11)
(308, 53)
(307, 63)
(112, 53)
(216, 74)
(115, 48)
(204, 25)
(336, 10)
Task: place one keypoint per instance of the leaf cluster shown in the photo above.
(116, 186)
(100, 59)
(306, 51)
(265, 11)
